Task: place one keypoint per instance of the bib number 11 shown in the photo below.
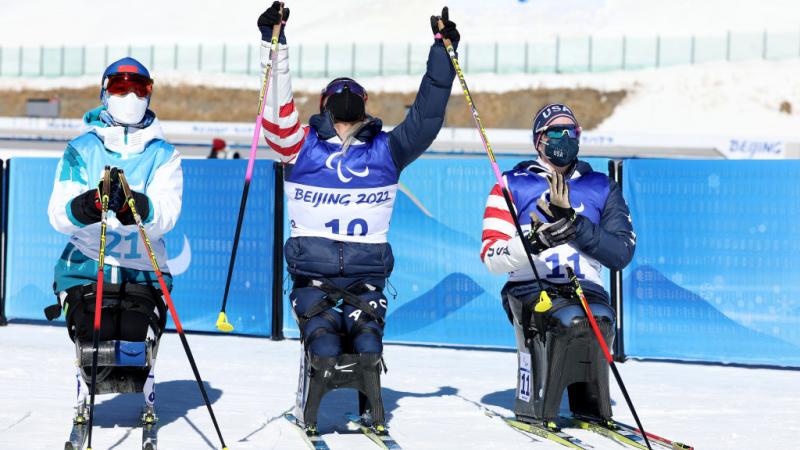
(575, 259)
(361, 224)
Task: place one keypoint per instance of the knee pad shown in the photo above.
(566, 314)
(322, 334)
(367, 338)
(365, 328)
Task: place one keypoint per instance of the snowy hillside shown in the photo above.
(717, 98)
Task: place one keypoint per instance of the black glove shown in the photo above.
(116, 196)
(125, 215)
(549, 235)
(449, 31)
(85, 208)
(270, 18)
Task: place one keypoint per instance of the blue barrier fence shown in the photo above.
(199, 246)
(713, 278)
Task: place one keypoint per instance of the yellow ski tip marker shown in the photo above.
(223, 324)
(544, 303)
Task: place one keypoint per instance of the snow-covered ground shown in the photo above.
(428, 394)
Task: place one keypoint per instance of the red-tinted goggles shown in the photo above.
(125, 83)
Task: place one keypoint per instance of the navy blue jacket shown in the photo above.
(319, 256)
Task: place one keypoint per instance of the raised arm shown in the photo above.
(417, 131)
(281, 123)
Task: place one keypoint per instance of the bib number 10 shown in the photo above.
(361, 224)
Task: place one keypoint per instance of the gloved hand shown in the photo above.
(125, 215)
(549, 235)
(116, 196)
(559, 206)
(449, 31)
(270, 18)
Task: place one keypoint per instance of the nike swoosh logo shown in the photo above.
(181, 263)
(579, 209)
(338, 367)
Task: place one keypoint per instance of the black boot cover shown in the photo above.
(319, 375)
(569, 357)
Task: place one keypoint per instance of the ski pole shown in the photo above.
(602, 342)
(544, 302)
(98, 299)
(222, 318)
(138, 219)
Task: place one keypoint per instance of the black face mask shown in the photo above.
(561, 151)
(346, 106)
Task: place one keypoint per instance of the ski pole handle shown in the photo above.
(262, 101)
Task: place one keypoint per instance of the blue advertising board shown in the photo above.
(198, 247)
(715, 274)
(444, 293)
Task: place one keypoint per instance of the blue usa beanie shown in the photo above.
(545, 117)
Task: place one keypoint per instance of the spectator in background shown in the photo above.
(219, 150)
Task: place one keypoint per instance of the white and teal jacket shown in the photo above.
(153, 169)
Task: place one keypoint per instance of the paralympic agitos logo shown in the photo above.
(342, 177)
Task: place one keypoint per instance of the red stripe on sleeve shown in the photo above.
(286, 110)
(291, 150)
(282, 133)
(496, 213)
(494, 234)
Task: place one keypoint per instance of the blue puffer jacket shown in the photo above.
(380, 154)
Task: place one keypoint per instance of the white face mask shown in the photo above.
(127, 110)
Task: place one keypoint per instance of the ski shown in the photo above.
(554, 434)
(379, 436)
(149, 429)
(79, 433)
(311, 436)
(623, 433)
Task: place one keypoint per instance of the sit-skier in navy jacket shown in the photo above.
(340, 201)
